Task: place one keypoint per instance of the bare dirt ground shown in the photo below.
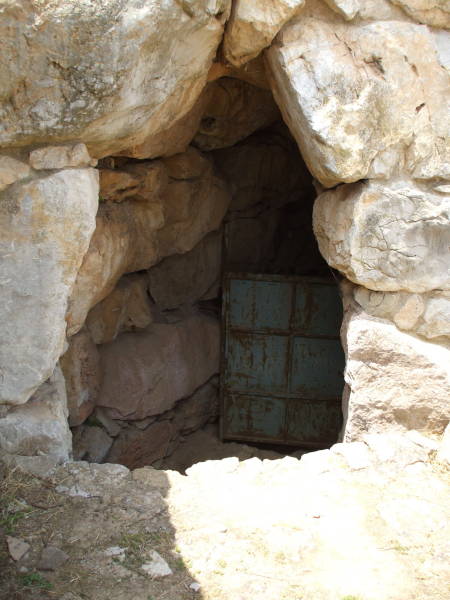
(364, 521)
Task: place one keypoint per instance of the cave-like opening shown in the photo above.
(151, 353)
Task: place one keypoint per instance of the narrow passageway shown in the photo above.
(161, 359)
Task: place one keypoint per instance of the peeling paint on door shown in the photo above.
(282, 362)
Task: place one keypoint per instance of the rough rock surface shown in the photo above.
(46, 224)
(252, 26)
(386, 237)
(369, 103)
(431, 12)
(39, 427)
(235, 110)
(134, 448)
(91, 443)
(362, 520)
(346, 8)
(80, 365)
(126, 308)
(424, 314)
(396, 381)
(92, 71)
(176, 138)
(178, 201)
(264, 169)
(11, 170)
(185, 278)
(163, 439)
(145, 373)
(61, 157)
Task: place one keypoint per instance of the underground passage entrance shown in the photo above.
(229, 344)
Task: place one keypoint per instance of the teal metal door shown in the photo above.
(282, 363)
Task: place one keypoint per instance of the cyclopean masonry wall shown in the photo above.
(109, 271)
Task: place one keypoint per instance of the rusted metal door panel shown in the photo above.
(282, 362)
(251, 309)
(261, 416)
(317, 367)
(318, 309)
(318, 422)
(257, 362)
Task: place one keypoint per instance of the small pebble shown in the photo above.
(52, 558)
(17, 547)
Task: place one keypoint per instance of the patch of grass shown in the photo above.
(351, 597)
(35, 580)
(161, 538)
(179, 564)
(135, 543)
(9, 520)
(12, 510)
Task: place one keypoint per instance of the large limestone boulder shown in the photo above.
(430, 12)
(195, 202)
(172, 205)
(235, 110)
(364, 100)
(145, 373)
(346, 8)
(135, 449)
(185, 278)
(126, 308)
(12, 169)
(174, 139)
(80, 365)
(386, 237)
(396, 381)
(124, 240)
(424, 314)
(109, 74)
(39, 427)
(252, 26)
(46, 224)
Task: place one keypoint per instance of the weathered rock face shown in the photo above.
(134, 448)
(39, 426)
(368, 104)
(91, 443)
(46, 223)
(253, 25)
(235, 110)
(93, 72)
(125, 236)
(126, 308)
(386, 237)
(346, 8)
(12, 170)
(80, 365)
(264, 169)
(430, 12)
(396, 380)
(185, 278)
(145, 373)
(424, 314)
(165, 207)
(176, 138)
